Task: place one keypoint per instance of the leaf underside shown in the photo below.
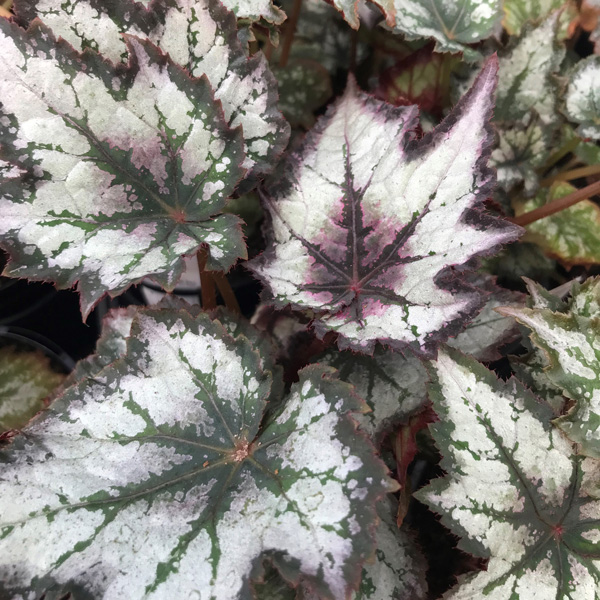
(160, 483)
(515, 492)
(367, 222)
(126, 169)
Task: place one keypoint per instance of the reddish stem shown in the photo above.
(290, 31)
(207, 284)
(557, 205)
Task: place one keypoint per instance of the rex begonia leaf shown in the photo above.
(523, 147)
(367, 221)
(489, 331)
(350, 10)
(304, 86)
(582, 99)
(571, 235)
(127, 169)
(200, 36)
(396, 572)
(526, 74)
(421, 79)
(519, 12)
(392, 385)
(161, 478)
(531, 369)
(256, 10)
(515, 491)
(453, 25)
(571, 340)
(26, 379)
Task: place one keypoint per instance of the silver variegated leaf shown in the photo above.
(367, 221)
(582, 100)
(515, 492)
(522, 148)
(199, 35)
(396, 572)
(163, 480)
(255, 10)
(126, 169)
(526, 75)
(531, 369)
(489, 331)
(26, 379)
(453, 25)
(571, 340)
(392, 385)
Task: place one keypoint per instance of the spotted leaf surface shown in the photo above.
(582, 100)
(526, 74)
(515, 492)
(396, 572)
(158, 482)
(127, 170)
(453, 25)
(571, 339)
(531, 369)
(392, 385)
(199, 35)
(522, 148)
(255, 10)
(571, 235)
(26, 379)
(367, 221)
(489, 331)
(304, 86)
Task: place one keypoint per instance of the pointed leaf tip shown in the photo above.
(368, 221)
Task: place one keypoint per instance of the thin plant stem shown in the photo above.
(572, 174)
(208, 292)
(557, 205)
(226, 292)
(289, 33)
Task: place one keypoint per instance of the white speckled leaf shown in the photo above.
(523, 147)
(453, 25)
(304, 86)
(531, 369)
(26, 379)
(199, 35)
(368, 221)
(254, 10)
(582, 100)
(515, 491)
(392, 385)
(396, 572)
(488, 332)
(571, 340)
(525, 75)
(127, 169)
(162, 480)
(350, 10)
